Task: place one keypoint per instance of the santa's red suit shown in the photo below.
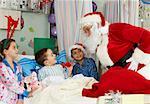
(116, 44)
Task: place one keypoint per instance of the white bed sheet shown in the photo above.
(67, 92)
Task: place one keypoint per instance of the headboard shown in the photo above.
(40, 43)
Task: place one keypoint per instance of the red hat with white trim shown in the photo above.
(77, 46)
(92, 18)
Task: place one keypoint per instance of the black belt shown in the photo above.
(122, 62)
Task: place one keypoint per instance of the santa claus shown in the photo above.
(118, 46)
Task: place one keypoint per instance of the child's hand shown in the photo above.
(20, 102)
(32, 91)
(70, 68)
(30, 94)
(34, 88)
(67, 64)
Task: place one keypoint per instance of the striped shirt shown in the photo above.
(46, 71)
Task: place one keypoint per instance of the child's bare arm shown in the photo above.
(70, 70)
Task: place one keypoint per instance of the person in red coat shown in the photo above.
(124, 49)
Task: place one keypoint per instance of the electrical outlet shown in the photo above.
(3, 3)
(32, 4)
(14, 4)
(23, 4)
(148, 15)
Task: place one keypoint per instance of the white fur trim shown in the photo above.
(104, 29)
(102, 52)
(145, 72)
(90, 19)
(141, 57)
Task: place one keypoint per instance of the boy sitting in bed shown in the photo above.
(83, 65)
(46, 58)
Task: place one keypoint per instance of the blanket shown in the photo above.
(69, 91)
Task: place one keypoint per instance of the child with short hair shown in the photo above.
(83, 65)
(46, 58)
(12, 88)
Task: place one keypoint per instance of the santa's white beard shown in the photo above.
(91, 42)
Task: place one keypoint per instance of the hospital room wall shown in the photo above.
(100, 5)
(35, 25)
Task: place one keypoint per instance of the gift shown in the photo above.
(125, 99)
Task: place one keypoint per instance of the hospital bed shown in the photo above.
(69, 93)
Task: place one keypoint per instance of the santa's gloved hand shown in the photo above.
(133, 65)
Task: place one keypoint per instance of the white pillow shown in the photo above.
(25, 56)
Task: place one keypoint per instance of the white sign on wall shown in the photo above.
(4, 21)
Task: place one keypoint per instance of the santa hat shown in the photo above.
(77, 46)
(94, 17)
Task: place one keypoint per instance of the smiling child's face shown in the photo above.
(77, 54)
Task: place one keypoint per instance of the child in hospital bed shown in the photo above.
(51, 76)
(46, 58)
(83, 65)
